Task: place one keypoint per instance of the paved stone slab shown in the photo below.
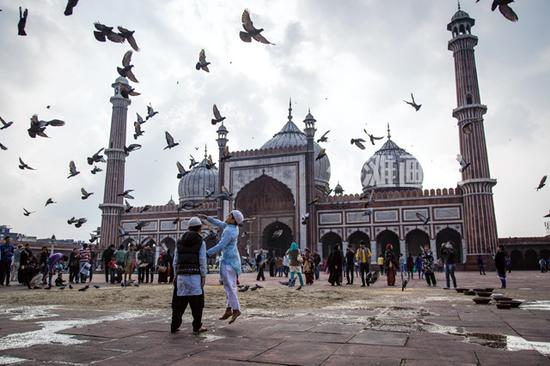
(504, 358)
(294, 353)
(199, 361)
(75, 354)
(337, 328)
(337, 360)
(375, 337)
(100, 330)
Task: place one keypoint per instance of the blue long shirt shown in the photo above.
(190, 285)
(227, 245)
(6, 252)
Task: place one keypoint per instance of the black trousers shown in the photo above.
(350, 273)
(107, 272)
(179, 304)
(363, 270)
(5, 267)
(73, 274)
(261, 274)
(430, 278)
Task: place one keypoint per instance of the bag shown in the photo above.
(300, 259)
(162, 269)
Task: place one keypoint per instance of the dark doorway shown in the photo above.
(126, 243)
(531, 260)
(383, 239)
(276, 238)
(517, 259)
(168, 244)
(356, 238)
(453, 236)
(415, 240)
(329, 241)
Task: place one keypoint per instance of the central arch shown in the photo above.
(329, 241)
(357, 237)
(453, 236)
(387, 237)
(415, 240)
(276, 238)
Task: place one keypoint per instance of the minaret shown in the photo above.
(309, 121)
(479, 213)
(222, 143)
(112, 206)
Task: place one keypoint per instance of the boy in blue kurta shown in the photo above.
(230, 262)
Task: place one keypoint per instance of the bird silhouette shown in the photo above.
(122, 232)
(193, 162)
(84, 288)
(210, 163)
(70, 6)
(96, 158)
(71, 221)
(3, 147)
(226, 155)
(277, 233)
(140, 225)
(126, 194)
(542, 183)
(358, 143)
(137, 130)
(49, 201)
(72, 170)
(424, 219)
(96, 170)
(217, 115)
(103, 33)
(505, 9)
(372, 138)
(323, 138)
(462, 162)
(126, 69)
(38, 127)
(224, 195)
(128, 35)
(169, 141)
(5, 124)
(23, 165)
(139, 119)
(22, 22)
(251, 32)
(322, 154)
(413, 103)
(127, 206)
(27, 212)
(181, 170)
(81, 221)
(145, 208)
(85, 194)
(202, 64)
(305, 218)
(150, 112)
(132, 147)
(126, 91)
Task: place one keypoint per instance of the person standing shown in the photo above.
(74, 263)
(380, 262)
(500, 264)
(428, 261)
(24, 270)
(334, 263)
(295, 261)
(150, 268)
(129, 263)
(402, 265)
(309, 267)
(6, 258)
(508, 263)
(481, 265)
(390, 262)
(42, 263)
(230, 261)
(285, 265)
(190, 265)
(448, 254)
(120, 256)
(362, 256)
(260, 265)
(410, 267)
(317, 263)
(271, 261)
(350, 265)
(162, 267)
(84, 263)
(418, 265)
(16, 263)
(106, 256)
(141, 264)
(93, 263)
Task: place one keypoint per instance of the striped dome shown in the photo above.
(193, 185)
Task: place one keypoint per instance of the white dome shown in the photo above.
(193, 185)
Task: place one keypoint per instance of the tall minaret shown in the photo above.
(309, 121)
(113, 206)
(222, 143)
(479, 213)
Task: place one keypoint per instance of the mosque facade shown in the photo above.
(283, 187)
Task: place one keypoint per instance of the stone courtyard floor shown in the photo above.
(319, 325)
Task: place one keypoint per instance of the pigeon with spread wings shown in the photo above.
(128, 35)
(126, 69)
(38, 127)
(413, 103)
(217, 115)
(462, 162)
(202, 64)
(70, 6)
(542, 183)
(169, 141)
(5, 124)
(251, 32)
(72, 170)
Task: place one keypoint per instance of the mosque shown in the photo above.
(284, 189)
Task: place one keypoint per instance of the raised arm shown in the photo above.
(216, 222)
(224, 241)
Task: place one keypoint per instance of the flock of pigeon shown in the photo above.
(104, 33)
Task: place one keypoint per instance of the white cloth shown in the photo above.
(230, 286)
(297, 269)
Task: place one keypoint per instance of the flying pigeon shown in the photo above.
(139, 119)
(122, 232)
(96, 158)
(323, 138)
(3, 147)
(548, 215)
(193, 162)
(226, 154)
(181, 170)
(170, 141)
(96, 170)
(542, 183)
(72, 169)
(462, 162)
(423, 218)
(126, 69)
(126, 194)
(129, 36)
(202, 64)
(405, 282)
(305, 218)
(127, 206)
(140, 225)
(217, 115)
(413, 103)
(132, 147)
(505, 9)
(27, 212)
(150, 112)
(93, 237)
(250, 31)
(22, 22)
(70, 6)
(84, 288)
(210, 163)
(79, 222)
(23, 165)
(49, 201)
(103, 32)
(39, 127)
(372, 137)
(277, 233)
(127, 91)
(71, 221)
(145, 208)
(368, 212)
(322, 154)
(5, 124)
(137, 130)
(85, 194)
(358, 143)
(224, 195)
(176, 221)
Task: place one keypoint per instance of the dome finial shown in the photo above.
(458, 4)
(389, 135)
(205, 151)
(289, 109)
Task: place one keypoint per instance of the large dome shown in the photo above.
(289, 136)
(392, 168)
(193, 185)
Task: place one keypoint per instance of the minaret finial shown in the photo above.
(289, 109)
(458, 4)
(389, 135)
(205, 151)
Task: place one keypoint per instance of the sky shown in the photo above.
(352, 62)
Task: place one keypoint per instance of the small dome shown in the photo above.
(193, 185)
(222, 129)
(392, 168)
(289, 136)
(338, 189)
(460, 14)
(121, 80)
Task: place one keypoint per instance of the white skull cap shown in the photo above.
(194, 221)
(238, 216)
